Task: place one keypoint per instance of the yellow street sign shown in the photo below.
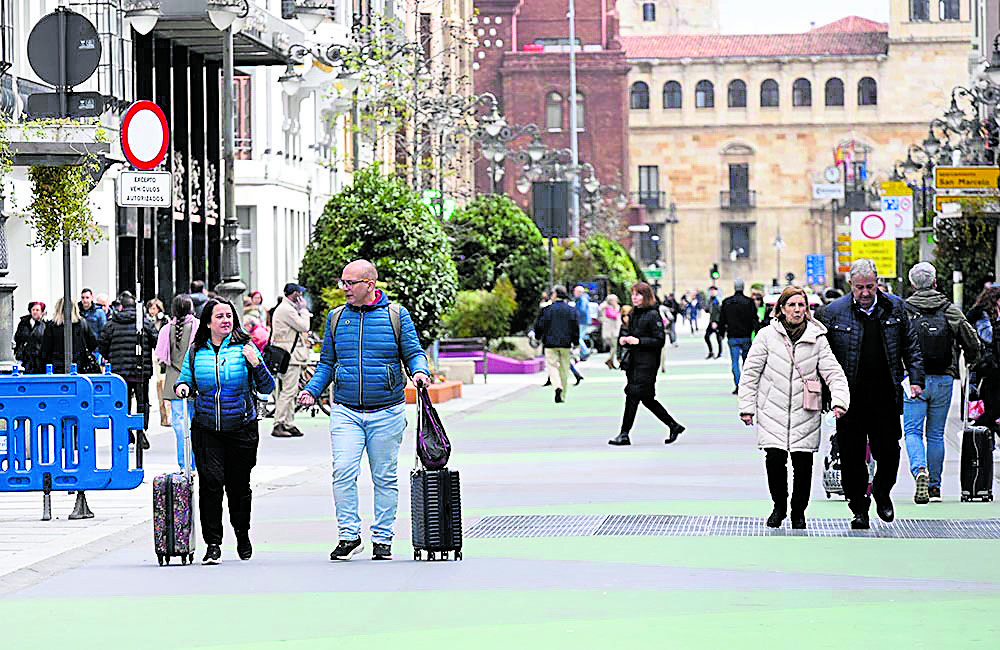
(971, 203)
(895, 189)
(966, 178)
(883, 253)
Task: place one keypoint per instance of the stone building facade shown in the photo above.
(523, 58)
(733, 131)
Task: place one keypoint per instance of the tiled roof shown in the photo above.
(852, 24)
(710, 46)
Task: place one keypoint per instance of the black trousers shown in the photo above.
(645, 395)
(874, 423)
(776, 464)
(709, 333)
(224, 461)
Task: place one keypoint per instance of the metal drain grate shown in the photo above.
(501, 526)
(536, 526)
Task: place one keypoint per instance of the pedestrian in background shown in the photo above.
(985, 314)
(582, 303)
(363, 353)
(154, 311)
(199, 296)
(558, 328)
(257, 306)
(642, 341)
(28, 339)
(91, 312)
(791, 351)
(224, 373)
(714, 310)
(942, 331)
(117, 344)
(84, 342)
(693, 309)
(667, 316)
(172, 344)
(738, 322)
(611, 324)
(290, 331)
(872, 338)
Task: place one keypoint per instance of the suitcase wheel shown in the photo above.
(159, 558)
(965, 498)
(458, 555)
(184, 560)
(416, 555)
(431, 556)
(827, 495)
(191, 558)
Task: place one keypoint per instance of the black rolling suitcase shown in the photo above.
(977, 458)
(435, 490)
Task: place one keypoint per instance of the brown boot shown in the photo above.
(280, 431)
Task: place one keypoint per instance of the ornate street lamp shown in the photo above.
(142, 15)
(495, 136)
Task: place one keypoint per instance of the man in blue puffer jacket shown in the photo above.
(362, 360)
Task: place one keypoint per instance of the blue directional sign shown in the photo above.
(815, 269)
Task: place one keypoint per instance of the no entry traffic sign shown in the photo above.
(145, 136)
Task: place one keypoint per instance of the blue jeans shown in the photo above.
(738, 348)
(176, 416)
(380, 433)
(584, 345)
(932, 406)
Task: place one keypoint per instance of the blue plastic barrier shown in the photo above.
(49, 424)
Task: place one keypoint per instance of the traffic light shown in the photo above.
(790, 277)
(715, 271)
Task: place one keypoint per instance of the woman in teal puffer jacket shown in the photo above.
(224, 371)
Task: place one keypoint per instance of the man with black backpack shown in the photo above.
(941, 328)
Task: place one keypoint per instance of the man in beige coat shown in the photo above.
(290, 332)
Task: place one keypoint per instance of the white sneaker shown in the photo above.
(922, 496)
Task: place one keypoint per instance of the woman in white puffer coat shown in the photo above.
(772, 389)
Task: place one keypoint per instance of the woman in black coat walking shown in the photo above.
(84, 342)
(642, 339)
(28, 339)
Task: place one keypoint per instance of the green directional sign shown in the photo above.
(654, 274)
(444, 209)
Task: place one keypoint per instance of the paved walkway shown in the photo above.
(521, 454)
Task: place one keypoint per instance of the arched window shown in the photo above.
(737, 94)
(867, 92)
(579, 112)
(672, 95)
(802, 93)
(638, 96)
(649, 12)
(553, 112)
(769, 93)
(704, 94)
(834, 92)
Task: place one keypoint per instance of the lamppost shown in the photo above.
(494, 136)
(672, 220)
(779, 245)
(596, 200)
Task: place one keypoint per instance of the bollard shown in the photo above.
(47, 497)
(81, 510)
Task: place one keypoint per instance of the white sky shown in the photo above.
(792, 16)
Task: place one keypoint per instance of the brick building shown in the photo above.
(522, 57)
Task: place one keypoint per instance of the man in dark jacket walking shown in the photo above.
(738, 321)
(714, 315)
(872, 338)
(943, 332)
(558, 328)
(117, 345)
(91, 312)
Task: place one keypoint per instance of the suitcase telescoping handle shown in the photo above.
(416, 438)
(188, 452)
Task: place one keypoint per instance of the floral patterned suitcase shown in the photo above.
(173, 508)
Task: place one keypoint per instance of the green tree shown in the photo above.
(965, 244)
(482, 313)
(382, 220)
(492, 237)
(597, 256)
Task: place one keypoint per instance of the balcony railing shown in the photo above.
(652, 200)
(738, 200)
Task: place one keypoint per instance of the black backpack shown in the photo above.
(937, 343)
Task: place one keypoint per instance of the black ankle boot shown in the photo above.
(243, 547)
(676, 429)
(799, 520)
(777, 516)
(620, 439)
